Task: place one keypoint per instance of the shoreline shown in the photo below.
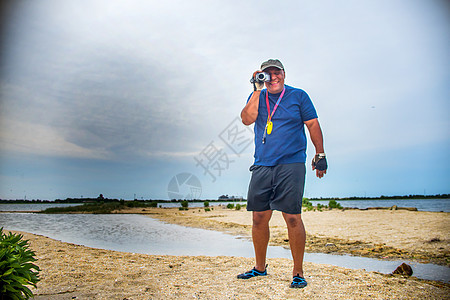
(416, 236)
(79, 272)
(70, 271)
(387, 234)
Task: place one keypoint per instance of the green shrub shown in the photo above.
(16, 267)
(185, 203)
(230, 205)
(134, 203)
(207, 209)
(307, 204)
(153, 204)
(206, 204)
(238, 206)
(95, 208)
(334, 204)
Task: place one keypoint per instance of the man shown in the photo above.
(278, 173)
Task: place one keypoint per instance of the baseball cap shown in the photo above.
(272, 63)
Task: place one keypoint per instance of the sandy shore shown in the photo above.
(77, 272)
(414, 235)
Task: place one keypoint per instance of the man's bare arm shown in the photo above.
(315, 133)
(250, 112)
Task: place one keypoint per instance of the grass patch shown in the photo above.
(99, 207)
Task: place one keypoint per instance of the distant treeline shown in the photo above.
(106, 200)
(438, 196)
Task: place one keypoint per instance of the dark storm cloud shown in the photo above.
(156, 82)
(98, 96)
(105, 101)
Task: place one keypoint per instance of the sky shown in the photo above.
(141, 99)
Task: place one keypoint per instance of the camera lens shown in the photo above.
(260, 76)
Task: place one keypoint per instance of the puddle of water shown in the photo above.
(422, 271)
(141, 234)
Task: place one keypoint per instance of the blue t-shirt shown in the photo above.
(287, 142)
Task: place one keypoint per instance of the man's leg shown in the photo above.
(297, 239)
(260, 236)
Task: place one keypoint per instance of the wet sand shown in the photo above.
(77, 272)
(413, 235)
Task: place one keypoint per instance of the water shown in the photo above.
(32, 206)
(141, 234)
(421, 204)
(24, 207)
(124, 232)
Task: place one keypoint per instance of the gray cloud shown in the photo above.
(146, 81)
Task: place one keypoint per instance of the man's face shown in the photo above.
(276, 83)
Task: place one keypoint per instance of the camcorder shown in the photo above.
(261, 77)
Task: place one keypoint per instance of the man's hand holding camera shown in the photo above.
(258, 80)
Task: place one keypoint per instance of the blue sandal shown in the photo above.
(252, 273)
(298, 282)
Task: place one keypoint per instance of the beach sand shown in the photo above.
(414, 235)
(77, 272)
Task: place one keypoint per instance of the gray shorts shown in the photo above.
(277, 188)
